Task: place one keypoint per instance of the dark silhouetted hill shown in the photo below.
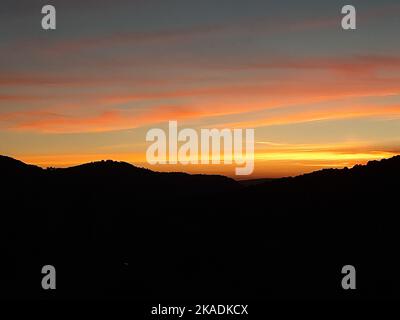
(372, 176)
(115, 230)
(12, 168)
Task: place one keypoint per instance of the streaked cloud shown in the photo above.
(275, 66)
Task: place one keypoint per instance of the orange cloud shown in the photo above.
(19, 98)
(306, 115)
(357, 64)
(109, 120)
(287, 94)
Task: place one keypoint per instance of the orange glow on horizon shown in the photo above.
(267, 164)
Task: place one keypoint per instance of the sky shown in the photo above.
(317, 96)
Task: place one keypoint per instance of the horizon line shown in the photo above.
(243, 178)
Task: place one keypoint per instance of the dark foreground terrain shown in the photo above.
(114, 230)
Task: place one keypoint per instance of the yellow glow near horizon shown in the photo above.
(267, 164)
(322, 156)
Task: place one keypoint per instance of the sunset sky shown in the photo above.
(317, 96)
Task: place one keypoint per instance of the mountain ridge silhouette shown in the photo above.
(114, 230)
(9, 164)
(118, 172)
